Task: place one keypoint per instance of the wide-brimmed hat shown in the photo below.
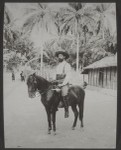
(63, 52)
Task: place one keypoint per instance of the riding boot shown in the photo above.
(65, 100)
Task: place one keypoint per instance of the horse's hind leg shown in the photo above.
(81, 114)
(75, 111)
(54, 121)
(49, 123)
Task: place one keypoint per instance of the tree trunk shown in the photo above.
(103, 33)
(103, 28)
(85, 38)
(77, 50)
(77, 56)
(41, 69)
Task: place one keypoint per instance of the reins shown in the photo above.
(45, 91)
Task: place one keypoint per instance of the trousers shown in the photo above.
(64, 90)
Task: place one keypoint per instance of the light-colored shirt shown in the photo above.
(64, 68)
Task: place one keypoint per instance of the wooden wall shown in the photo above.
(103, 77)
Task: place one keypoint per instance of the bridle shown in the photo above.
(45, 91)
(42, 92)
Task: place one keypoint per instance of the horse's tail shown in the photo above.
(81, 106)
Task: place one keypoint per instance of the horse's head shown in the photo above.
(32, 85)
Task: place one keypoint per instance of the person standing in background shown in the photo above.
(13, 76)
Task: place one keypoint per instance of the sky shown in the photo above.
(16, 8)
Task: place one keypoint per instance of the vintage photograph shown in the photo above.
(60, 75)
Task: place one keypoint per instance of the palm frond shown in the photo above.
(42, 5)
(76, 6)
(69, 10)
(111, 9)
(8, 17)
(68, 25)
(29, 11)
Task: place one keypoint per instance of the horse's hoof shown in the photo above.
(73, 128)
(54, 133)
(82, 129)
(49, 132)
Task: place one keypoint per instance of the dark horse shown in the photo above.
(51, 98)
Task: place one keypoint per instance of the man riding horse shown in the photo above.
(63, 71)
(53, 92)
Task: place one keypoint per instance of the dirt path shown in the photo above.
(26, 124)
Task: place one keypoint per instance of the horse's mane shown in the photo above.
(39, 78)
(42, 82)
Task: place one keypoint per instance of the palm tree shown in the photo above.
(75, 17)
(7, 16)
(105, 40)
(41, 18)
(7, 36)
(7, 33)
(107, 18)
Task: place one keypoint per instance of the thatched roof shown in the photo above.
(103, 63)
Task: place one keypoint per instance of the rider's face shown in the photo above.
(61, 57)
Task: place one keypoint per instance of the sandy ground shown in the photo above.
(25, 122)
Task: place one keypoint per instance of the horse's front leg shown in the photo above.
(49, 121)
(54, 121)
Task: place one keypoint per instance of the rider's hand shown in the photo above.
(60, 85)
